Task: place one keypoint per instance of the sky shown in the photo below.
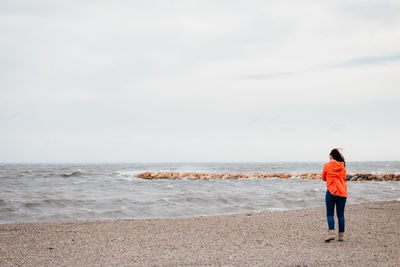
(190, 81)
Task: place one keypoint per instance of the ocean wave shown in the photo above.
(74, 174)
(4, 210)
(275, 209)
(33, 204)
(114, 213)
(60, 203)
(124, 177)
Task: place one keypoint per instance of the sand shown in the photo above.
(284, 238)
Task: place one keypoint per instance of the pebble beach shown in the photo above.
(277, 238)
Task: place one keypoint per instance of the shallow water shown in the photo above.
(55, 192)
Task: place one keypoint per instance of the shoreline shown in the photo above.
(291, 237)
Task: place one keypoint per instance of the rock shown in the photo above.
(307, 176)
(144, 175)
(205, 177)
(384, 177)
(380, 177)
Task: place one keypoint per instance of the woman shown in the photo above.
(334, 173)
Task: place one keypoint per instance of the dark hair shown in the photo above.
(336, 155)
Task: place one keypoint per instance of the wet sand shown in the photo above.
(248, 239)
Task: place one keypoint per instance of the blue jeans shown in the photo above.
(340, 202)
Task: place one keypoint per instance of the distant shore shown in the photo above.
(267, 238)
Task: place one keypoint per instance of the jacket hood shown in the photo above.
(337, 165)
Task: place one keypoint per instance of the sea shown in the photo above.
(67, 192)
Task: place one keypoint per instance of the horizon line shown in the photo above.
(174, 162)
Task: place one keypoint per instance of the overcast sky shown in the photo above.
(127, 81)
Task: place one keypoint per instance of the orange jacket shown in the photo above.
(334, 173)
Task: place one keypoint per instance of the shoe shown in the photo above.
(341, 236)
(331, 236)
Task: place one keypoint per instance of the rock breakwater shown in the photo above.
(227, 175)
